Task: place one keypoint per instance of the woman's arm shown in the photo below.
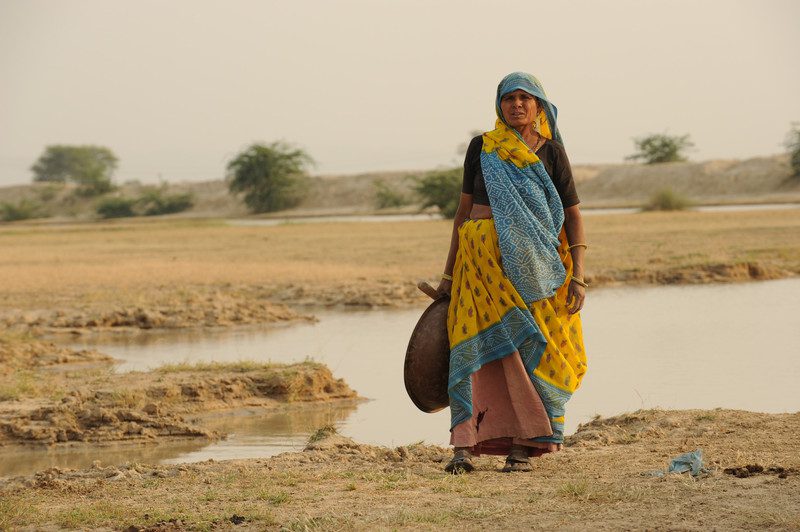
(464, 208)
(573, 226)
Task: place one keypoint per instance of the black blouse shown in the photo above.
(551, 154)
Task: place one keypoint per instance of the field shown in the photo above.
(187, 273)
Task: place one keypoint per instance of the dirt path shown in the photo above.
(598, 482)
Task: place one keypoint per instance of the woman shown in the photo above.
(516, 286)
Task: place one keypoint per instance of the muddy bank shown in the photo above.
(700, 274)
(599, 481)
(194, 307)
(52, 404)
(20, 353)
(291, 302)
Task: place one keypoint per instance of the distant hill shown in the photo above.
(755, 180)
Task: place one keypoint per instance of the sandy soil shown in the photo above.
(600, 481)
(53, 395)
(167, 274)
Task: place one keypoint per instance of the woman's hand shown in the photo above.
(444, 286)
(576, 295)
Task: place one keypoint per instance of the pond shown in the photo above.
(730, 346)
(421, 217)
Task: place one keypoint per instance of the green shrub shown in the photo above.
(23, 210)
(442, 189)
(793, 145)
(387, 197)
(272, 177)
(666, 200)
(116, 207)
(660, 148)
(155, 201)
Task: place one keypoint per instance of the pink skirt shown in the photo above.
(504, 402)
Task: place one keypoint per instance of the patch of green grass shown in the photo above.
(274, 498)
(241, 366)
(577, 490)
(126, 398)
(666, 200)
(306, 524)
(21, 384)
(13, 511)
(322, 433)
(286, 478)
(91, 515)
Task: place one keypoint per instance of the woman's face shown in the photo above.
(519, 108)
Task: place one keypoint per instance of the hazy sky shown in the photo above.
(176, 88)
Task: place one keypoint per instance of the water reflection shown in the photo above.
(270, 222)
(251, 433)
(27, 460)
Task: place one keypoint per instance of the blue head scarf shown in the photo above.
(531, 85)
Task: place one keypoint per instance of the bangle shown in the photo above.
(447, 277)
(580, 282)
(585, 246)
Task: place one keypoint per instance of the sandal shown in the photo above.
(460, 463)
(517, 461)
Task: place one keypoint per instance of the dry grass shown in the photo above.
(339, 484)
(149, 262)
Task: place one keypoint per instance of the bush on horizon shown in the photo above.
(272, 177)
(793, 145)
(442, 189)
(660, 148)
(116, 208)
(387, 197)
(155, 201)
(152, 202)
(25, 209)
(666, 200)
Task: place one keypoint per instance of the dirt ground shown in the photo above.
(190, 273)
(600, 481)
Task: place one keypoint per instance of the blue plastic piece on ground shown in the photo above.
(692, 462)
(687, 462)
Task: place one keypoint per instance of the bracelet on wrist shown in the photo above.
(584, 246)
(580, 282)
(447, 277)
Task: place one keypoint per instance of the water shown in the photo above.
(731, 346)
(268, 222)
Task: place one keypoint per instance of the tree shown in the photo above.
(270, 176)
(91, 167)
(660, 148)
(793, 145)
(441, 188)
